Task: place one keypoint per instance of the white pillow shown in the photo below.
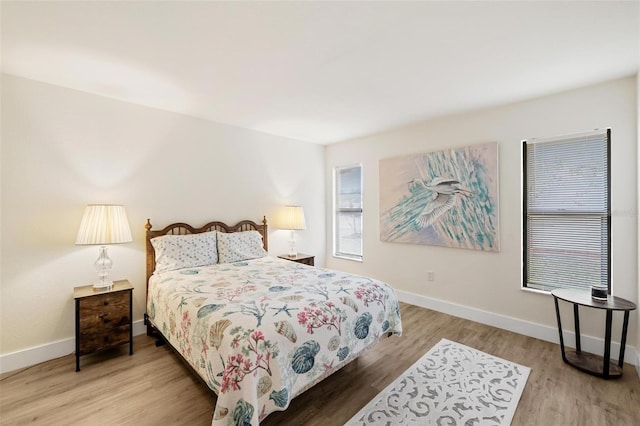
(185, 251)
(238, 246)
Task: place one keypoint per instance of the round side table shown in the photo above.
(590, 363)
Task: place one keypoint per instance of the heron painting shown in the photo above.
(447, 198)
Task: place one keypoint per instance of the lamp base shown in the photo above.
(103, 285)
(292, 245)
(103, 265)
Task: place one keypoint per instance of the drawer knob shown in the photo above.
(106, 302)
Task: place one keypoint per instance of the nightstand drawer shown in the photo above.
(104, 312)
(305, 259)
(93, 342)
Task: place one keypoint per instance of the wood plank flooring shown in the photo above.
(154, 387)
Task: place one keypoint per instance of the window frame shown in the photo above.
(337, 210)
(604, 215)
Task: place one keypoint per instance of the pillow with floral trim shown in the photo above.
(238, 246)
(185, 251)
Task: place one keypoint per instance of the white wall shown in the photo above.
(490, 282)
(63, 149)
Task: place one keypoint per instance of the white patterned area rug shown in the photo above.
(452, 384)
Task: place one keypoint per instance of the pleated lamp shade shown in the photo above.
(293, 218)
(104, 224)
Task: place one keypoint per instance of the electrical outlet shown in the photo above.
(431, 276)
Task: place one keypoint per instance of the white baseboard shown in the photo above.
(590, 344)
(28, 357)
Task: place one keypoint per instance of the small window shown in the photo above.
(348, 212)
(566, 202)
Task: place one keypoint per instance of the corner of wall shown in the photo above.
(638, 208)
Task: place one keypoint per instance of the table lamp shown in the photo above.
(293, 220)
(104, 224)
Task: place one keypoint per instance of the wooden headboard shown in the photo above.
(185, 229)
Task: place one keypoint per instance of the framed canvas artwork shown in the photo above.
(444, 198)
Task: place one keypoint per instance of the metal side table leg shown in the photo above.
(576, 320)
(623, 340)
(564, 357)
(607, 345)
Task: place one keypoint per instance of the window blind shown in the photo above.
(567, 211)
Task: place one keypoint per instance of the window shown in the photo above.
(566, 198)
(348, 212)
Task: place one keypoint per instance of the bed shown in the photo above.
(258, 330)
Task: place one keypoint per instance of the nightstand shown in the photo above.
(305, 259)
(104, 318)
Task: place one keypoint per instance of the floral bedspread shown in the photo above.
(260, 332)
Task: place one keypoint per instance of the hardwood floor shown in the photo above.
(154, 387)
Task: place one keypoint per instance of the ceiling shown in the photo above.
(320, 72)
